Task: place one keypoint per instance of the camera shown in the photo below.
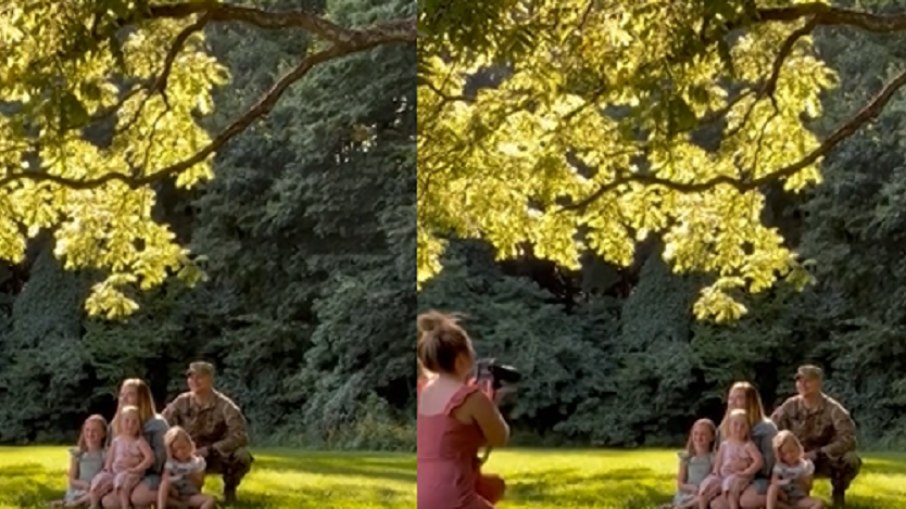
(496, 375)
(500, 380)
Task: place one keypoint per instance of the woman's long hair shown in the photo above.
(754, 409)
(145, 403)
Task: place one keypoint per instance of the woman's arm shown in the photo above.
(766, 447)
(489, 419)
(155, 429)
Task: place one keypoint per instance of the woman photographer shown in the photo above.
(455, 419)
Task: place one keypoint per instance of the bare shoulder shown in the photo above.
(476, 403)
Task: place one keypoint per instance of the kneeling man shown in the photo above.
(824, 427)
(215, 424)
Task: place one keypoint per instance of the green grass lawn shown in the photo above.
(572, 479)
(537, 479)
(33, 476)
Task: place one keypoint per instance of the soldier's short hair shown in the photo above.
(201, 368)
(809, 371)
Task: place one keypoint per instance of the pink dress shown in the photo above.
(448, 470)
(127, 453)
(729, 451)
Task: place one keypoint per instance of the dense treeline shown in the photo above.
(612, 357)
(308, 231)
(310, 244)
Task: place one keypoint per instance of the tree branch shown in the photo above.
(829, 16)
(847, 129)
(161, 84)
(785, 50)
(365, 39)
(402, 30)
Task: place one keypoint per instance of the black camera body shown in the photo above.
(488, 370)
(498, 376)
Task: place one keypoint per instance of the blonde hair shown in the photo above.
(83, 444)
(754, 409)
(782, 438)
(709, 424)
(440, 341)
(176, 433)
(740, 414)
(123, 412)
(145, 403)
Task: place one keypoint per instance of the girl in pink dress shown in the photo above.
(738, 459)
(455, 419)
(127, 460)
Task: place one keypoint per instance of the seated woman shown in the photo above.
(134, 392)
(455, 418)
(743, 395)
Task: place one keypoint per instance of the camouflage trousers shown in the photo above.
(840, 470)
(233, 467)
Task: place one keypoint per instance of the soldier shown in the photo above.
(824, 427)
(215, 424)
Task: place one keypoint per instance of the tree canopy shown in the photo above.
(102, 100)
(560, 128)
(309, 231)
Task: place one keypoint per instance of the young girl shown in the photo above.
(738, 459)
(792, 474)
(87, 461)
(126, 462)
(183, 472)
(696, 462)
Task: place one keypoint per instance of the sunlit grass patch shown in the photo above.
(33, 476)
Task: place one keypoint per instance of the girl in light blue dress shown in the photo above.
(696, 462)
(86, 461)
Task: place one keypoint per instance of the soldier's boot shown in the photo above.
(839, 498)
(229, 493)
(238, 466)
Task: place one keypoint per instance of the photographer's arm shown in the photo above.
(489, 419)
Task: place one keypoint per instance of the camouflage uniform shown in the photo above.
(220, 426)
(828, 430)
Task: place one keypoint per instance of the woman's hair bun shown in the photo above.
(431, 321)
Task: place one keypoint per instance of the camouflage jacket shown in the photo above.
(827, 428)
(219, 424)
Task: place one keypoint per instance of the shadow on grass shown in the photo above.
(27, 485)
(643, 488)
(330, 481)
(631, 488)
(381, 468)
(883, 467)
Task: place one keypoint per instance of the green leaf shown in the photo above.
(73, 112)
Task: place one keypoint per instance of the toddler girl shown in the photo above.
(87, 461)
(696, 462)
(738, 459)
(183, 472)
(792, 473)
(127, 460)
